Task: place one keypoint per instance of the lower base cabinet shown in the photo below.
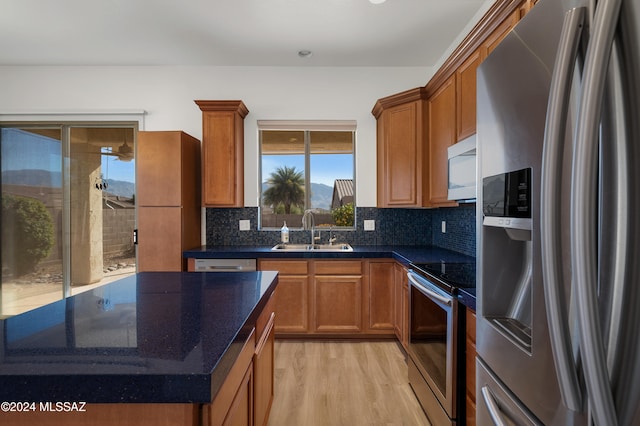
(263, 374)
(344, 298)
(470, 370)
(247, 393)
(401, 305)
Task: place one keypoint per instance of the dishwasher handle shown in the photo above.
(225, 265)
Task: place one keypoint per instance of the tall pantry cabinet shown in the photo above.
(167, 198)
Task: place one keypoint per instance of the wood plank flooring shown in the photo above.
(319, 383)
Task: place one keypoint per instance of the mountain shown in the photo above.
(45, 178)
(32, 177)
(321, 195)
(121, 188)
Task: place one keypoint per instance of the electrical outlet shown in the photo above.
(244, 225)
(444, 227)
(370, 225)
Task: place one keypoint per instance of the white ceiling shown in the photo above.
(231, 32)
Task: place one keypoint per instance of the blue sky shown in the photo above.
(25, 150)
(325, 168)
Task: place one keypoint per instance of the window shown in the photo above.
(307, 166)
(68, 210)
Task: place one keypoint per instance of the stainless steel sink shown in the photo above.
(315, 247)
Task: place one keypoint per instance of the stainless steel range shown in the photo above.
(435, 338)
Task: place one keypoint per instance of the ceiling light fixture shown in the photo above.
(305, 53)
(377, 1)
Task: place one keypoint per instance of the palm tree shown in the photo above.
(286, 186)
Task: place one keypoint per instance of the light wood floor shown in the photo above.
(342, 383)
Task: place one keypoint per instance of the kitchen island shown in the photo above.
(154, 348)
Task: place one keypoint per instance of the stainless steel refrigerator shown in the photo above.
(558, 203)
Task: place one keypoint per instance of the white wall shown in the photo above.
(167, 95)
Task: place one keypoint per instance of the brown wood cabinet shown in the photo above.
(401, 301)
(381, 295)
(442, 134)
(466, 96)
(168, 199)
(293, 295)
(350, 298)
(497, 35)
(264, 366)
(233, 405)
(247, 393)
(223, 153)
(337, 296)
(401, 149)
(470, 370)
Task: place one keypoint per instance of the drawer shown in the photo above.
(338, 267)
(285, 267)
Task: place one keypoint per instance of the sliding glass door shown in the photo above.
(68, 210)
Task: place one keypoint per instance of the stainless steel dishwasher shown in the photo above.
(225, 265)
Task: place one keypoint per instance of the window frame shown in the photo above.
(306, 126)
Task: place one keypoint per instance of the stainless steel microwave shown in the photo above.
(462, 170)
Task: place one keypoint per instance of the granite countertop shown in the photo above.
(403, 254)
(153, 337)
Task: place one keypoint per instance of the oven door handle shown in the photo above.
(430, 293)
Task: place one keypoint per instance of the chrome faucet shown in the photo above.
(332, 239)
(308, 223)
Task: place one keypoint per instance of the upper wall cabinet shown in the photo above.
(223, 153)
(501, 31)
(442, 134)
(401, 149)
(466, 96)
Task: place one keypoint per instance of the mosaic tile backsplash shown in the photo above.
(393, 227)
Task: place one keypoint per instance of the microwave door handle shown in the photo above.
(429, 292)
(584, 211)
(552, 159)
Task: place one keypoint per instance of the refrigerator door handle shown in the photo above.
(584, 212)
(550, 229)
(492, 407)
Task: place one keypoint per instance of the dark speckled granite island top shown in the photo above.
(153, 337)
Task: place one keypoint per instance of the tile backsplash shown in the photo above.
(392, 227)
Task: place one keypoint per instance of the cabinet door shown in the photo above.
(442, 134)
(160, 239)
(470, 398)
(466, 96)
(222, 157)
(159, 169)
(263, 375)
(400, 156)
(338, 304)
(405, 312)
(381, 296)
(241, 410)
(233, 404)
(223, 153)
(292, 304)
(399, 301)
